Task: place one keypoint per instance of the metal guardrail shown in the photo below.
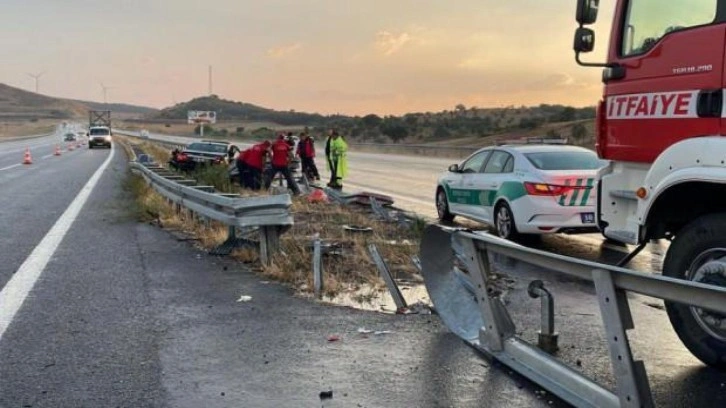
(463, 300)
(269, 214)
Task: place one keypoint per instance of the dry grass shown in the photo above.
(351, 268)
(19, 128)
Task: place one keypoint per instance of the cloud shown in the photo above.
(388, 43)
(283, 50)
(476, 62)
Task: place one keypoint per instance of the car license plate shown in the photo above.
(199, 159)
(588, 218)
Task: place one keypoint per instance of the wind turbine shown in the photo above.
(36, 77)
(105, 91)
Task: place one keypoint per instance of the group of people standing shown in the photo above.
(251, 163)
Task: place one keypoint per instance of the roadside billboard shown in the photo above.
(194, 117)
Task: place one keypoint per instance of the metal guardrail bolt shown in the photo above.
(547, 338)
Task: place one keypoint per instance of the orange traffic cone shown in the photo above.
(27, 159)
(70, 147)
(57, 151)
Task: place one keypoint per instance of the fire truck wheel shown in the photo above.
(698, 253)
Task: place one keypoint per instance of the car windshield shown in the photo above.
(99, 132)
(208, 147)
(565, 160)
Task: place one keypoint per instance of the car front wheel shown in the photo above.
(504, 222)
(442, 206)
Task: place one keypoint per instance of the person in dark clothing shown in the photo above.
(306, 152)
(255, 160)
(281, 153)
(243, 169)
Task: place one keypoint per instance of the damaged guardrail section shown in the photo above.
(456, 268)
(270, 215)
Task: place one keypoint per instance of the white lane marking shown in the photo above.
(19, 286)
(11, 167)
(47, 156)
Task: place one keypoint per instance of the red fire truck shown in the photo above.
(661, 124)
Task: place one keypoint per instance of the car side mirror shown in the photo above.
(587, 11)
(584, 40)
(454, 168)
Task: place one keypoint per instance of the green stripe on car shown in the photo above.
(512, 190)
(576, 192)
(586, 196)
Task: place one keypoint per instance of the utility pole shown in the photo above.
(37, 77)
(105, 91)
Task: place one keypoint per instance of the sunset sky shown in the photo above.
(327, 56)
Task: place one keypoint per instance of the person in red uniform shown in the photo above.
(255, 161)
(281, 153)
(306, 152)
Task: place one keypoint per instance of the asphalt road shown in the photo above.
(125, 315)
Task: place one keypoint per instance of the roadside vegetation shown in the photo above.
(346, 267)
(460, 126)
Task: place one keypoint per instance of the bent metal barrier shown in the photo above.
(462, 299)
(270, 214)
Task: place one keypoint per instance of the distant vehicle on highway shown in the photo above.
(99, 129)
(99, 136)
(202, 153)
(144, 134)
(523, 189)
(70, 137)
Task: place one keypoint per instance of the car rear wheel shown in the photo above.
(698, 254)
(504, 222)
(442, 206)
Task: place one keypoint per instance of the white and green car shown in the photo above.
(523, 189)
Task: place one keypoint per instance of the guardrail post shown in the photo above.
(269, 242)
(498, 326)
(632, 382)
(317, 267)
(387, 277)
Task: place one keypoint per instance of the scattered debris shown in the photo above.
(326, 395)
(357, 228)
(244, 298)
(363, 330)
(378, 333)
(333, 337)
(654, 305)
(416, 308)
(578, 362)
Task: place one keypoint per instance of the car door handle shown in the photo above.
(494, 185)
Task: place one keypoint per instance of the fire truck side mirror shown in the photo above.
(587, 11)
(584, 40)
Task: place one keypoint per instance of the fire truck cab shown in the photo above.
(661, 125)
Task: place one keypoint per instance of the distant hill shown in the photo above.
(461, 125)
(17, 103)
(231, 110)
(121, 108)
